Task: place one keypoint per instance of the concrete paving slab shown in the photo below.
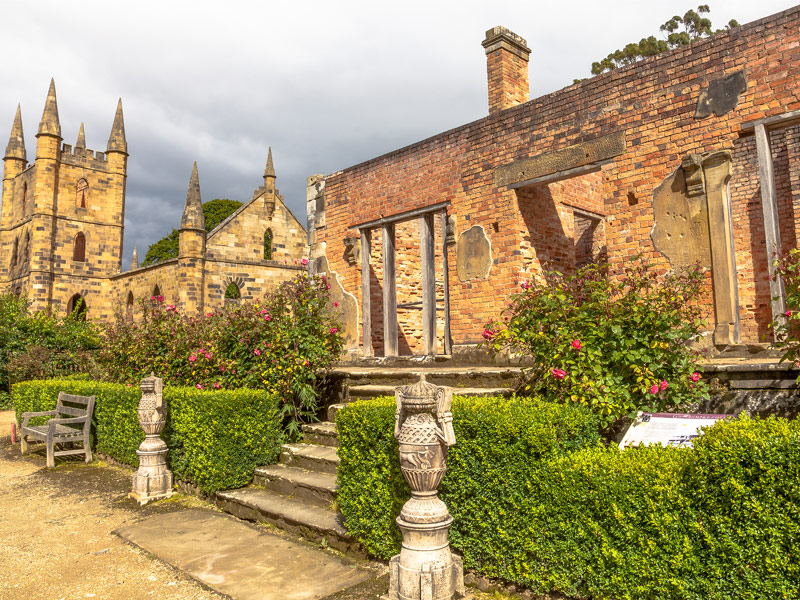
(238, 560)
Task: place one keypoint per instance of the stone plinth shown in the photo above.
(153, 480)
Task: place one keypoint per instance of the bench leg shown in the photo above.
(88, 450)
(23, 444)
(51, 461)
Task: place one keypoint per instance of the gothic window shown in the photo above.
(129, 308)
(79, 249)
(156, 291)
(26, 253)
(268, 244)
(14, 253)
(81, 193)
(232, 292)
(24, 196)
(76, 307)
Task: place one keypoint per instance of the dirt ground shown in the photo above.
(57, 524)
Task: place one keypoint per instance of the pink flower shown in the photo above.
(695, 377)
(170, 307)
(217, 385)
(327, 287)
(488, 334)
(199, 386)
(654, 388)
(335, 304)
(332, 330)
(524, 285)
(207, 355)
(559, 373)
(152, 297)
(257, 352)
(305, 364)
(267, 318)
(304, 261)
(193, 358)
(664, 385)
(788, 313)
(222, 368)
(210, 314)
(576, 344)
(263, 312)
(160, 298)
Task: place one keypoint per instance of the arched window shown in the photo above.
(129, 308)
(79, 248)
(156, 291)
(81, 193)
(232, 292)
(268, 244)
(26, 252)
(24, 196)
(76, 307)
(14, 253)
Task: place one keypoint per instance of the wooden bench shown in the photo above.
(74, 427)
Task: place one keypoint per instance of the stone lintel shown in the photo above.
(501, 37)
(593, 151)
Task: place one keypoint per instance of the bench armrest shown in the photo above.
(69, 421)
(27, 415)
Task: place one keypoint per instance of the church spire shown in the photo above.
(193, 209)
(50, 125)
(116, 141)
(81, 143)
(269, 170)
(134, 259)
(16, 141)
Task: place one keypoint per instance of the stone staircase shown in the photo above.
(298, 493)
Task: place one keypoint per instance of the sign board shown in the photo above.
(667, 429)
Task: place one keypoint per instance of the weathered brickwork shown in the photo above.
(62, 223)
(653, 103)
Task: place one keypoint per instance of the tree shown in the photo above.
(214, 213)
(680, 31)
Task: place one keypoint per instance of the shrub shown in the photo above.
(283, 344)
(618, 345)
(497, 440)
(787, 325)
(537, 502)
(215, 438)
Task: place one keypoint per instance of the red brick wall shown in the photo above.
(653, 102)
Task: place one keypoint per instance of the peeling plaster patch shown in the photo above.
(347, 311)
(473, 254)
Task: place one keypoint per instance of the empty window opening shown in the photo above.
(79, 248)
(129, 308)
(76, 307)
(26, 252)
(587, 240)
(156, 291)
(268, 244)
(81, 193)
(14, 253)
(232, 292)
(24, 196)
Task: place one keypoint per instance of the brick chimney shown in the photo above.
(507, 57)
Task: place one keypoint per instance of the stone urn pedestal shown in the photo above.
(425, 569)
(153, 480)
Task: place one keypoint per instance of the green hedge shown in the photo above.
(215, 438)
(538, 502)
(497, 440)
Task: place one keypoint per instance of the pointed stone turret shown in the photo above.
(50, 125)
(269, 172)
(81, 143)
(116, 141)
(16, 141)
(134, 259)
(193, 209)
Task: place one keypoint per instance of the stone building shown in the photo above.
(689, 156)
(62, 226)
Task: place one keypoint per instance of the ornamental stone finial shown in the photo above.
(153, 480)
(425, 567)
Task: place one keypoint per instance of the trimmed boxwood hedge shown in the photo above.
(537, 501)
(215, 438)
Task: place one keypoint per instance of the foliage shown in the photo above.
(41, 345)
(282, 344)
(694, 26)
(498, 440)
(617, 345)
(215, 438)
(537, 502)
(214, 213)
(268, 244)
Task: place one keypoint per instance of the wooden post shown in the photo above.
(366, 291)
(448, 343)
(772, 234)
(428, 252)
(389, 292)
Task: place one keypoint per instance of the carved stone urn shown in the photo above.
(425, 569)
(153, 480)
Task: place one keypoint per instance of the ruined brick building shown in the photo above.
(62, 226)
(689, 156)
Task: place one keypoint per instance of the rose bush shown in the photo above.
(616, 344)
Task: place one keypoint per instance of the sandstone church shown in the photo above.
(62, 228)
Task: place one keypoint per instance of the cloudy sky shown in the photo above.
(326, 84)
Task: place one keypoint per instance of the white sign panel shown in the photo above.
(667, 429)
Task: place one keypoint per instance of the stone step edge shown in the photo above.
(465, 391)
(300, 477)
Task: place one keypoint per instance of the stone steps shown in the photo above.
(323, 433)
(315, 486)
(313, 457)
(359, 392)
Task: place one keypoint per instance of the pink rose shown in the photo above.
(559, 373)
(222, 368)
(335, 304)
(160, 298)
(327, 287)
(152, 297)
(207, 355)
(576, 344)
(305, 364)
(210, 314)
(217, 385)
(193, 358)
(267, 318)
(695, 377)
(199, 386)
(664, 385)
(170, 307)
(488, 334)
(257, 352)
(788, 313)
(654, 388)
(524, 285)
(332, 330)
(263, 312)
(304, 261)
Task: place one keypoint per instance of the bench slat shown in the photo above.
(60, 431)
(69, 410)
(67, 452)
(62, 397)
